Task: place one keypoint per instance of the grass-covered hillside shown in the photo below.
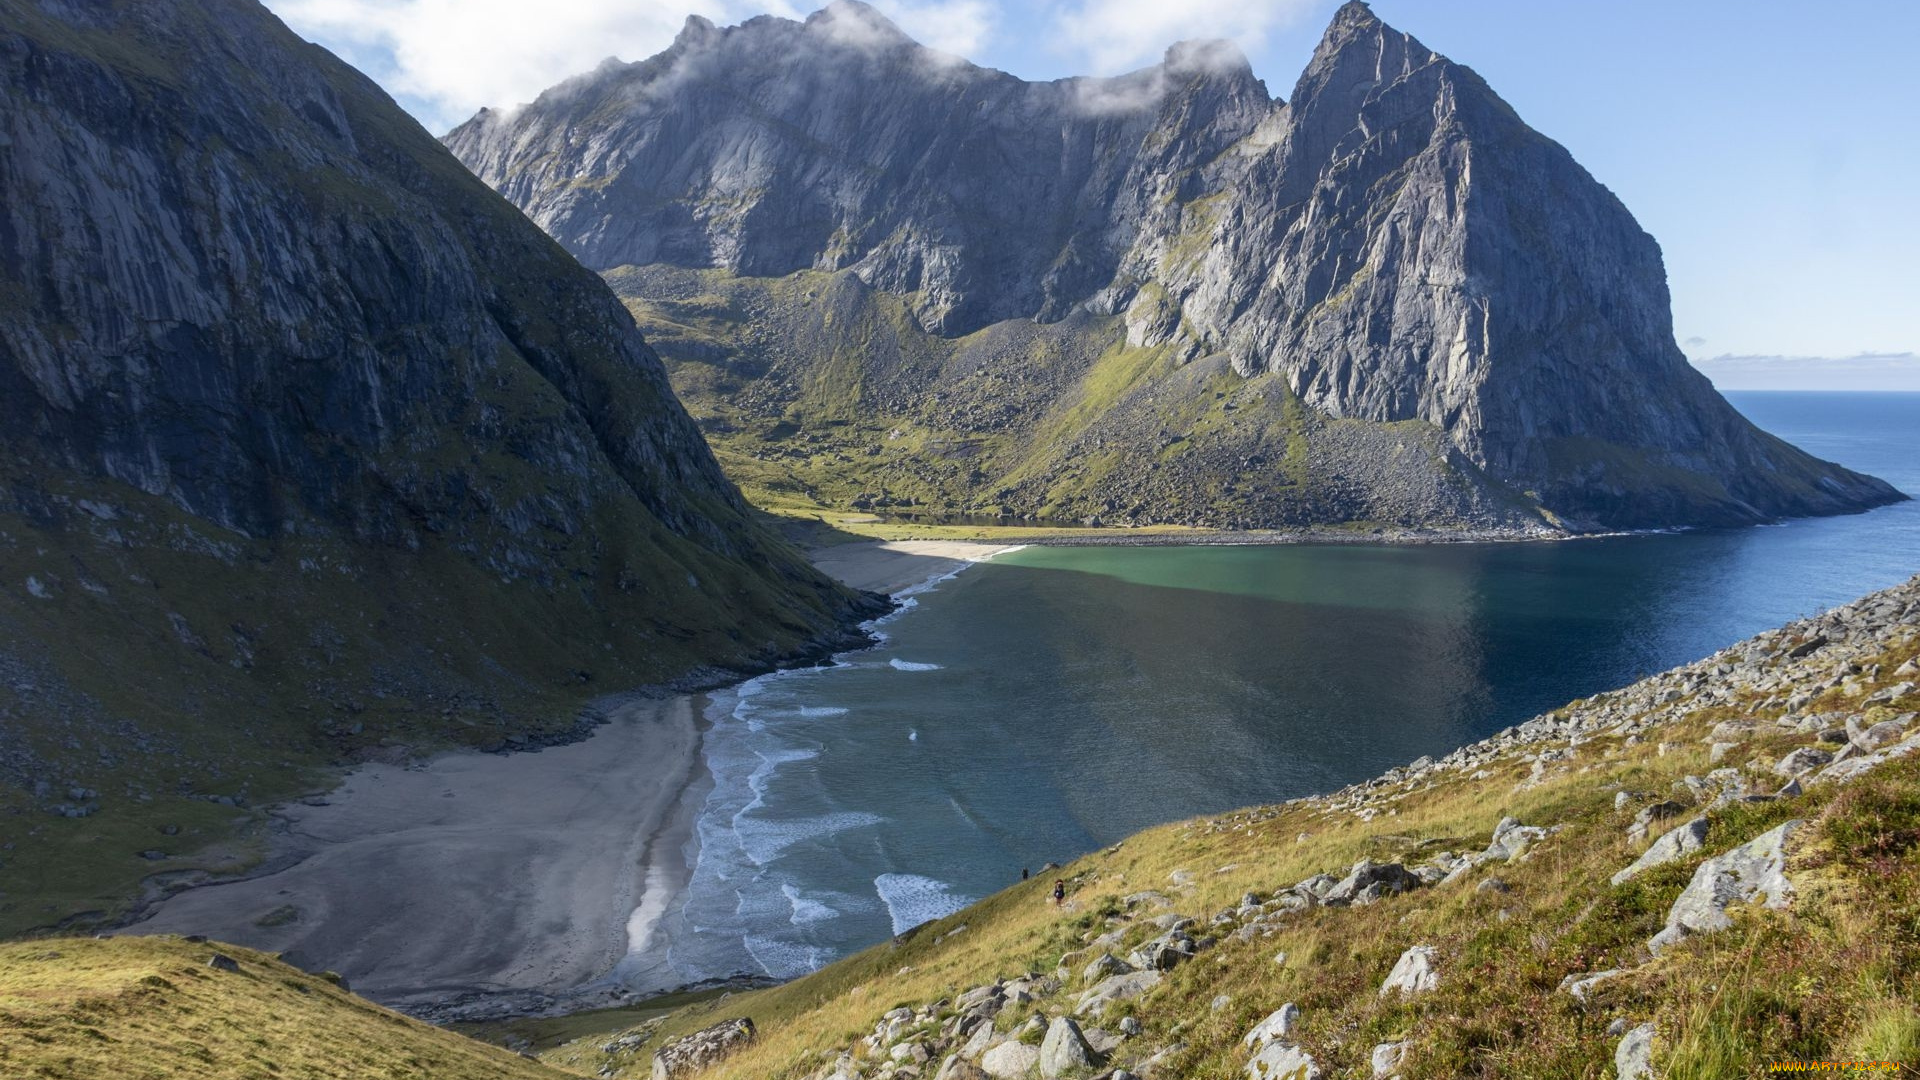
(1486, 880)
(156, 1007)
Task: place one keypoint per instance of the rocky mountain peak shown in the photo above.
(1393, 244)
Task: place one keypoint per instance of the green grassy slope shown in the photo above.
(152, 1008)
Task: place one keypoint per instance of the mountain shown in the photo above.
(311, 448)
(883, 276)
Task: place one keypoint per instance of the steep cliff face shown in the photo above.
(311, 443)
(1392, 244)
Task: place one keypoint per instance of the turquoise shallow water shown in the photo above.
(1058, 699)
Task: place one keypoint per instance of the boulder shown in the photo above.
(1802, 760)
(1512, 839)
(1369, 881)
(1115, 988)
(1010, 1060)
(1644, 821)
(223, 962)
(959, 1068)
(692, 1053)
(1164, 952)
(1282, 1061)
(1278, 1026)
(1675, 844)
(1064, 1049)
(1633, 1058)
(1106, 964)
(1580, 983)
(1755, 869)
(1387, 1057)
(1413, 973)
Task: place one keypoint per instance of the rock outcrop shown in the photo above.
(1096, 265)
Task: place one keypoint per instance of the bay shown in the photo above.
(1058, 699)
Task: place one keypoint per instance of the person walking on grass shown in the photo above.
(1059, 891)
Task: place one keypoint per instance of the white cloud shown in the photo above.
(1110, 36)
(446, 58)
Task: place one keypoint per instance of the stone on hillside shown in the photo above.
(1752, 870)
(1064, 1049)
(1106, 964)
(1512, 839)
(1316, 887)
(1842, 771)
(223, 962)
(983, 1039)
(1010, 1060)
(1165, 952)
(1369, 881)
(1884, 733)
(1282, 1061)
(1387, 1057)
(1130, 1026)
(1580, 983)
(1633, 1058)
(1115, 988)
(1413, 973)
(1278, 1025)
(1648, 816)
(959, 1068)
(692, 1053)
(1677, 843)
(1103, 1042)
(1150, 898)
(1802, 760)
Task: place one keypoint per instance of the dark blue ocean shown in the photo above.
(1058, 699)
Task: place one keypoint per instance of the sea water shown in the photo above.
(1058, 699)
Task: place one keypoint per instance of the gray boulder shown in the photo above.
(1413, 973)
(1387, 1057)
(1677, 843)
(1283, 1061)
(1115, 988)
(1064, 1049)
(1633, 1058)
(1010, 1060)
(692, 1053)
(1278, 1026)
(1103, 966)
(1368, 881)
(1754, 870)
(1802, 760)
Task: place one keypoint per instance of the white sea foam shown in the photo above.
(764, 839)
(912, 899)
(908, 665)
(805, 909)
(913, 736)
(815, 711)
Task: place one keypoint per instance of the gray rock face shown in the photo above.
(1392, 243)
(1010, 1060)
(1278, 1025)
(255, 321)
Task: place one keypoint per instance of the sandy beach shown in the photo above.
(892, 566)
(497, 873)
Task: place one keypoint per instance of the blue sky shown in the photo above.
(1772, 148)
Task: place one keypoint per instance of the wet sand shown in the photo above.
(475, 872)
